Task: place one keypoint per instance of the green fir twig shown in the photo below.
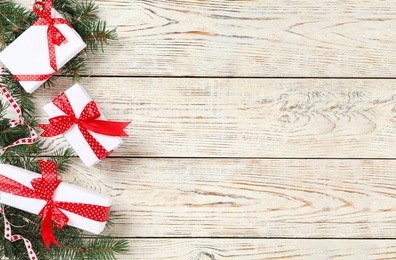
(14, 20)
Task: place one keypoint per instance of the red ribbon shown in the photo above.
(20, 121)
(44, 188)
(12, 238)
(87, 121)
(54, 37)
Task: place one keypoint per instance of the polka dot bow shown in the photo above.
(44, 188)
(88, 120)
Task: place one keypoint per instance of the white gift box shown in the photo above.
(78, 99)
(65, 192)
(28, 54)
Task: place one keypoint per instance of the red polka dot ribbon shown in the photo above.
(12, 238)
(14, 123)
(54, 37)
(44, 188)
(88, 120)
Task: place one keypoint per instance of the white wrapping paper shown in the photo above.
(65, 192)
(28, 54)
(78, 99)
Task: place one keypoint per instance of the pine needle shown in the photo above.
(14, 20)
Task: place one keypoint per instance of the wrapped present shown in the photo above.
(57, 201)
(42, 49)
(76, 116)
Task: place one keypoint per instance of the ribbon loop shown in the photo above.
(45, 13)
(54, 37)
(87, 121)
(44, 188)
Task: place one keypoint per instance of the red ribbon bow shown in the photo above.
(54, 37)
(44, 188)
(87, 121)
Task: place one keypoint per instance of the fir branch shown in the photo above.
(62, 158)
(103, 248)
(98, 248)
(24, 100)
(74, 68)
(93, 31)
(86, 12)
(110, 222)
(65, 7)
(3, 107)
(48, 84)
(100, 36)
(14, 20)
(23, 156)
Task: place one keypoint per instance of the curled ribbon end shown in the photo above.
(48, 243)
(110, 128)
(123, 125)
(46, 229)
(45, 133)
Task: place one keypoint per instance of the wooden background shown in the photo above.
(261, 129)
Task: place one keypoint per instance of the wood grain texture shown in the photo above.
(246, 198)
(287, 168)
(286, 118)
(325, 38)
(259, 249)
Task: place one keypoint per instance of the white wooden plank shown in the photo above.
(259, 249)
(245, 117)
(246, 198)
(249, 38)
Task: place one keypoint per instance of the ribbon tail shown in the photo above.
(47, 232)
(104, 127)
(48, 130)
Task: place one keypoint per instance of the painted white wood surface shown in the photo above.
(313, 38)
(207, 171)
(181, 117)
(263, 198)
(251, 38)
(260, 249)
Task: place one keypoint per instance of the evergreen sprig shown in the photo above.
(74, 244)
(14, 20)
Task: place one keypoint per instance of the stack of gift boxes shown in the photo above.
(33, 58)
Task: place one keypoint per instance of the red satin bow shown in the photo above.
(54, 37)
(87, 121)
(44, 188)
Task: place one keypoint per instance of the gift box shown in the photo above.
(42, 49)
(75, 115)
(44, 195)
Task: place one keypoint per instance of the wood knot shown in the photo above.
(205, 256)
